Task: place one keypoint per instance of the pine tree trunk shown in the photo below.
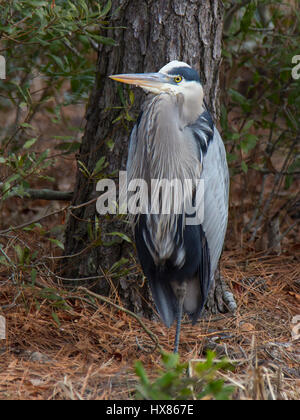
(149, 34)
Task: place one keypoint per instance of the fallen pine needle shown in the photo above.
(127, 311)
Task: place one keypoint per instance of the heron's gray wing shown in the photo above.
(132, 143)
(132, 147)
(216, 185)
(216, 194)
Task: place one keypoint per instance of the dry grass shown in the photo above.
(90, 354)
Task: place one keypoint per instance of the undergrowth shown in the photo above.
(177, 382)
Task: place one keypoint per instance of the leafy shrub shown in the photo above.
(54, 42)
(174, 384)
(261, 107)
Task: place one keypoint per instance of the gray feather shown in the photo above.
(216, 192)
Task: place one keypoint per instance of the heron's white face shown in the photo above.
(175, 78)
(184, 81)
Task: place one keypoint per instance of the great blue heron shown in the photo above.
(175, 139)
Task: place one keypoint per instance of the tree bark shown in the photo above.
(149, 34)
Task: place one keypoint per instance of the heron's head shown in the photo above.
(174, 78)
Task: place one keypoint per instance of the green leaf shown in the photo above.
(13, 178)
(32, 226)
(3, 261)
(20, 253)
(106, 9)
(68, 147)
(231, 157)
(244, 167)
(118, 264)
(103, 40)
(29, 143)
(131, 97)
(121, 95)
(56, 319)
(249, 142)
(57, 242)
(26, 125)
(167, 379)
(170, 360)
(120, 235)
(238, 97)
(84, 169)
(58, 61)
(288, 182)
(100, 165)
(248, 125)
(248, 16)
(234, 136)
(33, 275)
(172, 382)
(110, 144)
(224, 118)
(225, 393)
(141, 373)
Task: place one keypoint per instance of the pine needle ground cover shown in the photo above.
(66, 345)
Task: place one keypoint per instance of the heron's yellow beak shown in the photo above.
(145, 80)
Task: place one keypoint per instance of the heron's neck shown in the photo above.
(190, 103)
(170, 152)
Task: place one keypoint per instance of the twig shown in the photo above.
(38, 219)
(127, 311)
(93, 43)
(45, 194)
(7, 257)
(72, 279)
(282, 236)
(230, 14)
(260, 200)
(251, 28)
(88, 301)
(62, 257)
(13, 304)
(87, 203)
(140, 347)
(68, 44)
(275, 189)
(274, 172)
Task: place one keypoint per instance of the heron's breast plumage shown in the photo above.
(164, 147)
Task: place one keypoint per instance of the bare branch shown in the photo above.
(38, 219)
(45, 194)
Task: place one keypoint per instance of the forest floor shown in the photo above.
(88, 351)
(60, 345)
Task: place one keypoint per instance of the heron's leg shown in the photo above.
(180, 292)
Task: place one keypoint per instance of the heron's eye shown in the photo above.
(177, 79)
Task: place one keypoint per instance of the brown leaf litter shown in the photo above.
(87, 349)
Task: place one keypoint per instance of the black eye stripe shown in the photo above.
(186, 73)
